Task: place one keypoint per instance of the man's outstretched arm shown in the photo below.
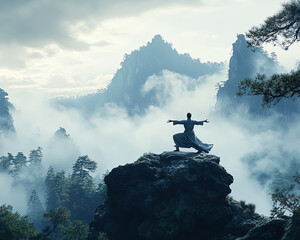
(201, 122)
(176, 122)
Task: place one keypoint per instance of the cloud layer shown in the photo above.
(73, 47)
(118, 139)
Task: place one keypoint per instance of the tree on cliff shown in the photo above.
(281, 29)
(286, 198)
(273, 89)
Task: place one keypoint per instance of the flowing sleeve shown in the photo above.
(198, 122)
(178, 122)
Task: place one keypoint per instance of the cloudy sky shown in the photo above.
(71, 47)
(74, 47)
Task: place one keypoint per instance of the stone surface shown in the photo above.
(292, 228)
(269, 230)
(177, 195)
(245, 63)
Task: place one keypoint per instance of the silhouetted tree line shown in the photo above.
(15, 164)
(70, 200)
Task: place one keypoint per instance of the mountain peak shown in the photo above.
(158, 38)
(241, 37)
(61, 133)
(125, 89)
(245, 63)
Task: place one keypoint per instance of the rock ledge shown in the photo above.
(176, 195)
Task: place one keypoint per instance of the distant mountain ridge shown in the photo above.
(125, 87)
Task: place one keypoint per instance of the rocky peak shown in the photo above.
(125, 89)
(246, 63)
(158, 40)
(61, 133)
(176, 195)
(6, 120)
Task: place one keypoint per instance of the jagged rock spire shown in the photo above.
(6, 120)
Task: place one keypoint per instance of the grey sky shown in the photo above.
(74, 47)
(40, 22)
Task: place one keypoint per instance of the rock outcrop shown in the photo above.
(177, 195)
(245, 63)
(6, 120)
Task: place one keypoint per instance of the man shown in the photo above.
(188, 139)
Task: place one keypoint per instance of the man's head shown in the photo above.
(189, 115)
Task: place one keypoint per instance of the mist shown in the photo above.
(116, 138)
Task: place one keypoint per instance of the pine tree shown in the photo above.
(36, 156)
(13, 226)
(57, 217)
(5, 162)
(286, 197)
(2, 163)
(82, 190)
(35, 211)
(82, 167)
(56, 189)
(281, 29)
(18, 163)
(75, 231)
(51, 201)
(9, 161)
(78, 192)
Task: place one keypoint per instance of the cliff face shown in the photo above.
(156, 56)
(176, 195)
(246, 63)
(6, 120)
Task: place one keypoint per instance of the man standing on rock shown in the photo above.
(188, 139)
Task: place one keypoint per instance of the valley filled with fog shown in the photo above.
(118, 124)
